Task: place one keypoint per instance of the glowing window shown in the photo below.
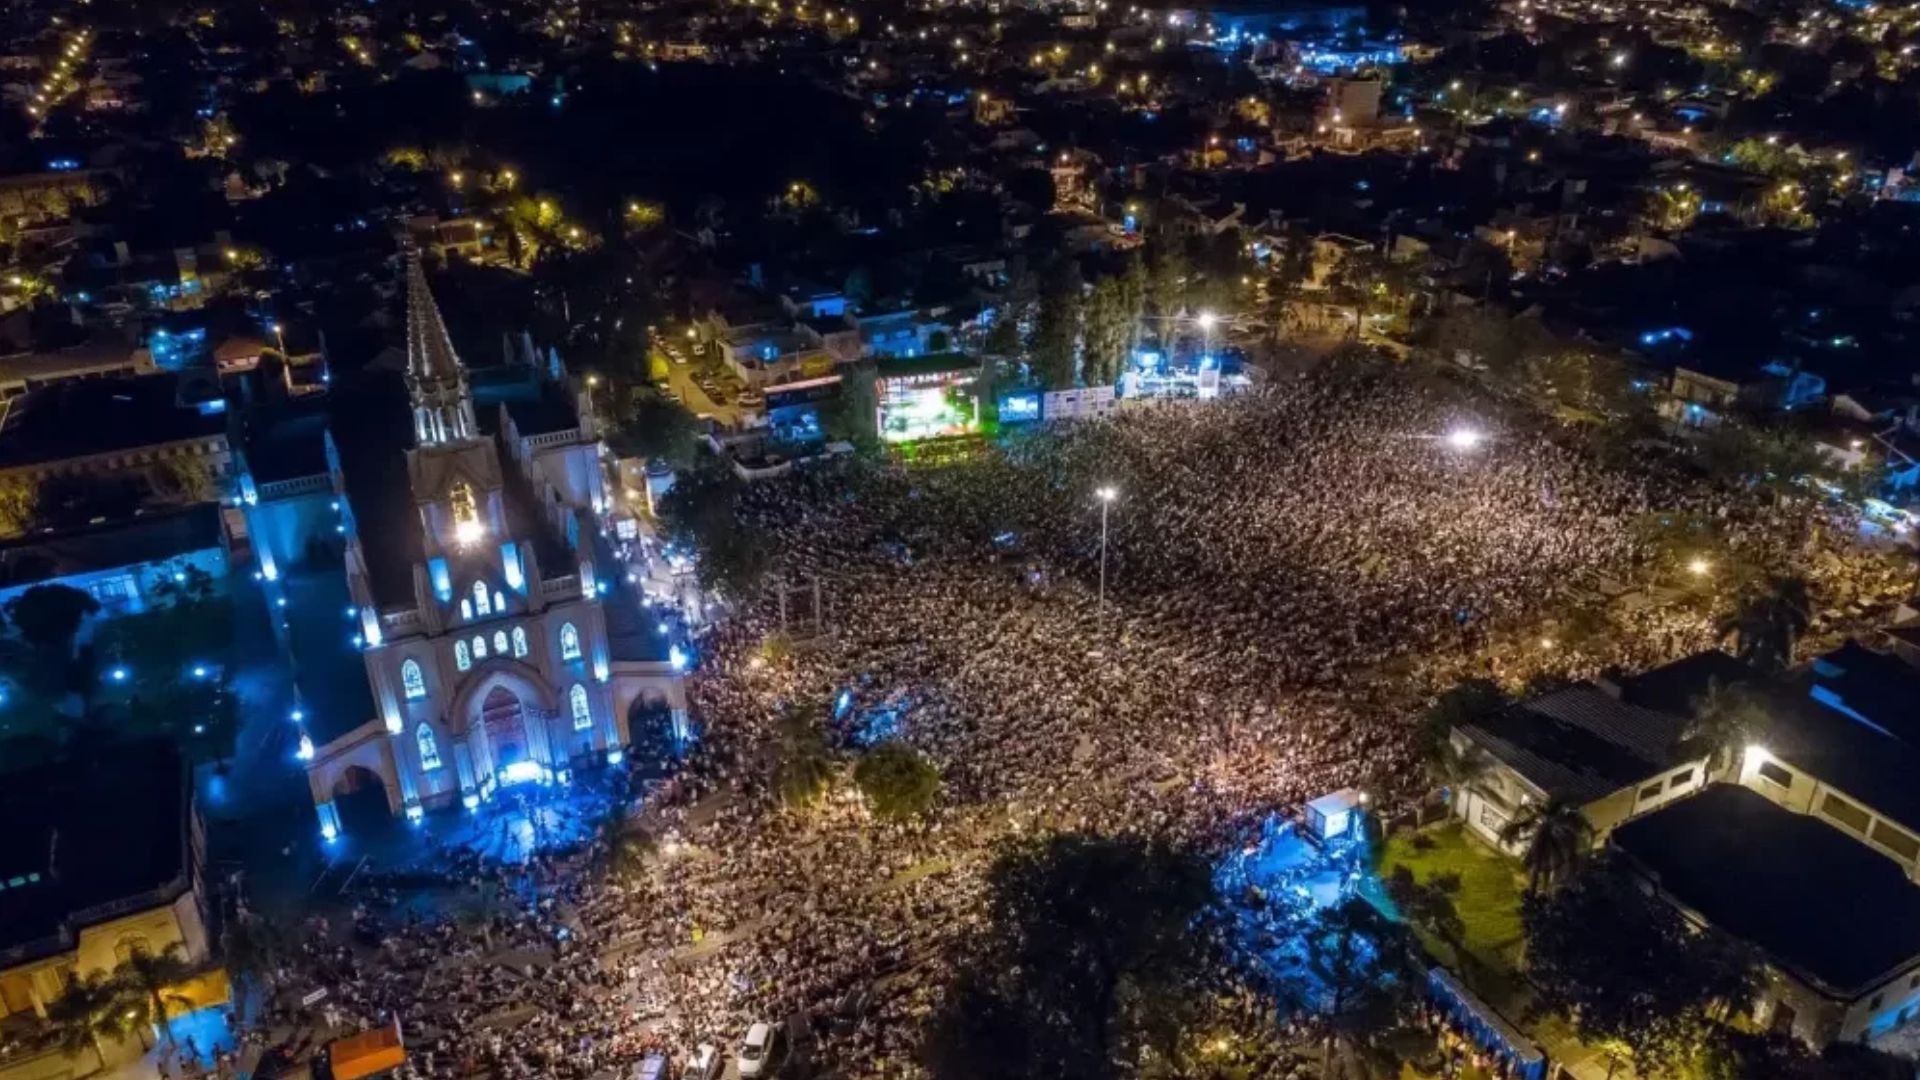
(569, 643)
(582, 714)
(479, 646)
(414, 683)
(519, 641)
(500, 642)
(462, 657)
(466, 609)
(482, 600)
(429, 748)
(466, 515)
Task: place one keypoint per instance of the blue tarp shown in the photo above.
(1486, 1027)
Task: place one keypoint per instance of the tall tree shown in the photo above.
(151, 978)
(898, 782)
(1100, 957)
(1462, 703)
(1168, 276)
(803, 763)
(94, 1007)
(48, 617)
(1365, 962)
(1109, 330)
(700, 513)
(1056, 336)
(1725, 719)
(852, 415)
(1624, 966)
(1767, 622)
(1558, 838)
(655, 426)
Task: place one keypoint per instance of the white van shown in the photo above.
(756, 1051)
(705, 1064)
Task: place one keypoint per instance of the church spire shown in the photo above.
(436, 380)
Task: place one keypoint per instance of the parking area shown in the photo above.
(706, 388)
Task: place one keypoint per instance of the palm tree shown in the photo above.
(476, 909)
(1725, 719)
(150, 978)
(94, 1007)
(1766, 625)
(253, 948)
(1456, 769)
(805, 763)
(1365, 962)
(1558, 838)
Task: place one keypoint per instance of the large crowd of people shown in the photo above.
(1287, 578)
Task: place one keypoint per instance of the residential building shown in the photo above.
(100, 857)
(120, 563)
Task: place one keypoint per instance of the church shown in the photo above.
(500, 641)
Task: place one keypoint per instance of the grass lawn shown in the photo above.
(1488, 901)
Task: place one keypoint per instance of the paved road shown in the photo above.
(680, 382)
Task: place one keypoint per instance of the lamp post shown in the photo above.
(280, 336)
(1106, 494)
(1206, 319)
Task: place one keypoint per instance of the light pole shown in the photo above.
(1206, 319)
(281, 337)
(1106, 494)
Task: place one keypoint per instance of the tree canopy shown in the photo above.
(1624, 966)
(898, 782)
(1101, 958)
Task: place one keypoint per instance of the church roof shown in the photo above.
(430, 352)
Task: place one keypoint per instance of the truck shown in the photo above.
(370, 1053)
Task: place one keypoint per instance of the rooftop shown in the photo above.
(932, 363)
(1579, 743)
(70, 843)
(373, 427)
(143, 539)
(1868, 762)
(100, 416)
(537, 405)
(1720, 853)
(1673, 688)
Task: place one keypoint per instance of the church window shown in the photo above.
(500, 642)
(466, 514)
(499, 601)
(462, 658)
(412, 681)
(466, 608)
(482, 599)
(569, 643)
(429, 748)
(519, 641)
(582, 713)
(479, 646)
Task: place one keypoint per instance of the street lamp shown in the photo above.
(1464, 439)
(1106, 493)
(1699, 567)
(1206, 319)
(280, 337)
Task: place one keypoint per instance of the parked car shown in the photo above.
(756, 1051)
(705, 1064)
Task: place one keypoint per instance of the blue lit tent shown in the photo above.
(1486, 1027)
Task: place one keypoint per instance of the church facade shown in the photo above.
(501, 668)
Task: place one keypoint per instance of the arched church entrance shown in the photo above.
(650, 729)
(505, 721)
(360, 798)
